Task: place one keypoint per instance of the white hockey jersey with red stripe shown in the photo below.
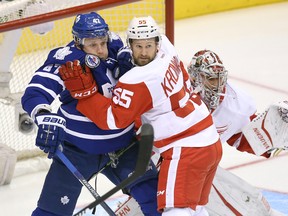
(233, 113)
(158, 93)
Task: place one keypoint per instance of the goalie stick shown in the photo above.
(82, 180)
(144, 155)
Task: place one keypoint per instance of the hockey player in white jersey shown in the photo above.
(232, 110)
(157, 90)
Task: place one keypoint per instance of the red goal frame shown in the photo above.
(59, 14)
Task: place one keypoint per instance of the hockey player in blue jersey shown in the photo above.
(85, 145)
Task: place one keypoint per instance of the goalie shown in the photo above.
(234, 115)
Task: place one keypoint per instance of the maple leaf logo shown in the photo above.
(65, 200)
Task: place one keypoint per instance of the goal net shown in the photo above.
(29, 29)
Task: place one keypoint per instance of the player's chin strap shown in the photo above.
(269, 130)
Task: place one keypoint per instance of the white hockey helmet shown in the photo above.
(143, 28)
(209, 76)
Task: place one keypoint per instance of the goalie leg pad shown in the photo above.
(8, 158)
(129, 208)
(230, 195)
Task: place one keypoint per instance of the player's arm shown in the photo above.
(240, 142)
(42, 90)
(128, 102)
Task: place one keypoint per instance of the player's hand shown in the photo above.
(125, 62)
(78, 80)
(51, 132)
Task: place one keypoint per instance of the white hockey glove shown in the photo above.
(268, 130)
(51, 132)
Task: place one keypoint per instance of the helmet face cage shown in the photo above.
(143, 28)
(90, 25)
(210, 76)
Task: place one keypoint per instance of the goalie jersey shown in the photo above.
(235, 110)
(46, 85)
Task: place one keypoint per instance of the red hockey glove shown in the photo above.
(79, 81)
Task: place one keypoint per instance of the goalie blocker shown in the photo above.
(269, 130)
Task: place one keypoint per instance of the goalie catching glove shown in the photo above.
(51, 132)
(78, 80)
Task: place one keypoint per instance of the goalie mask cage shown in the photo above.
(29, 29)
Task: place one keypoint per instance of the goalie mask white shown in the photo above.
(209, 77)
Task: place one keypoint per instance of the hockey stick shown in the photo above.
(121, 152)
(144, 155)
(82, 180)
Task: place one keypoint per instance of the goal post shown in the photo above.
(29, 29)
(18, 19)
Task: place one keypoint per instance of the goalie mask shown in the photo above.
(209, 77)
(143, 28)
(90, 25)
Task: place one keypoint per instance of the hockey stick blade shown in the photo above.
(82, 180)
(144, 155)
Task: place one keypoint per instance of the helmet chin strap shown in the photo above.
(82, 41)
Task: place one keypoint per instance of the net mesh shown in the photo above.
(23, 50)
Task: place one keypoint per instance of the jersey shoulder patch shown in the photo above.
(92, 61)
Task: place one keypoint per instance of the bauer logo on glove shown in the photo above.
(51, 120)
(78, 80)
(51, 132)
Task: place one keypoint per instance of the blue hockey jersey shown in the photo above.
(46, 85)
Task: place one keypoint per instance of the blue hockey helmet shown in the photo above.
(89, 25)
